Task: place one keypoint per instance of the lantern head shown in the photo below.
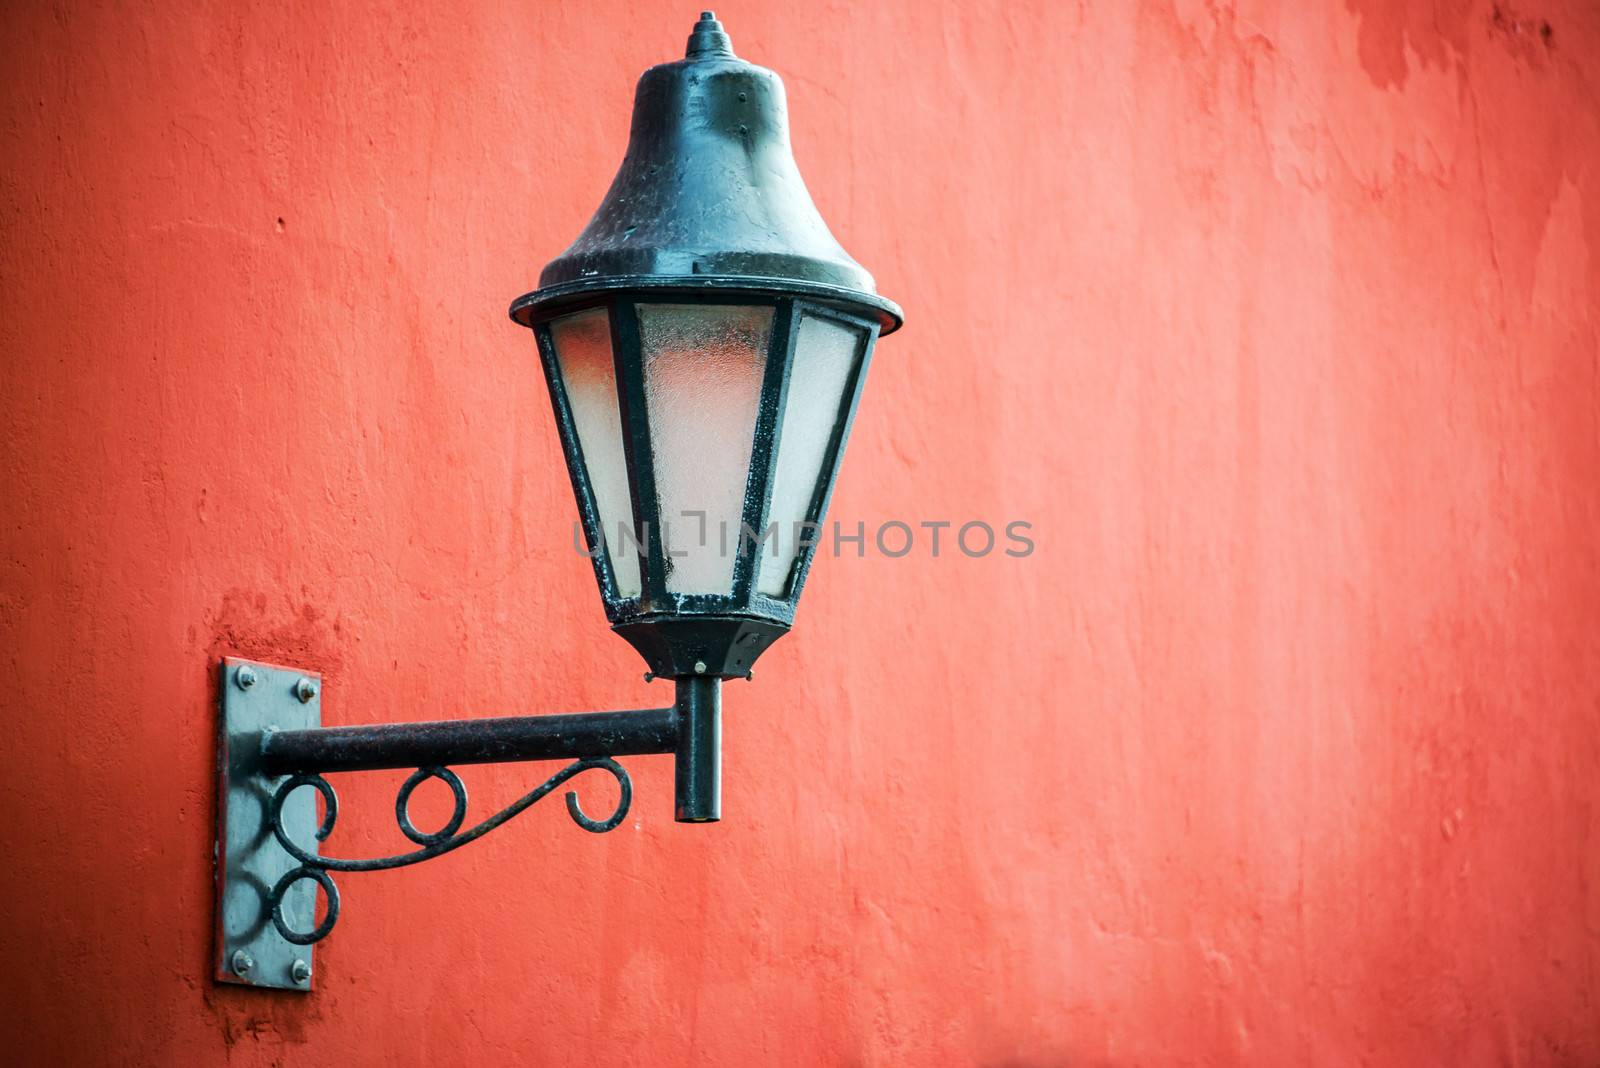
(705, 341)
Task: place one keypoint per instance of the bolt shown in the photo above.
(243, 963)
(699, 667)
(749, 676)
(649, 676)
(245, 676)
(305, 689)
(300, 971)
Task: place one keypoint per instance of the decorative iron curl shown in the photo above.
(434, 844)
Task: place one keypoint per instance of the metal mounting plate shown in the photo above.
(256, 698)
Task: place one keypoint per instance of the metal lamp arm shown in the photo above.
(284, 761)
(498, 740)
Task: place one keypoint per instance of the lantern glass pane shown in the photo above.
(703, 368)
(583, 353)
(825, 355)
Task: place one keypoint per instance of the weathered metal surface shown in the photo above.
(258, 698)
(708, 207)
(708, 196)
(472, 741)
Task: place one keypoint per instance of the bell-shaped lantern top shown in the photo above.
(708, 196)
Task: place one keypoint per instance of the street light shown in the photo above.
(704, 341)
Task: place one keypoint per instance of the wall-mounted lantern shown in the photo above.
(704, 340)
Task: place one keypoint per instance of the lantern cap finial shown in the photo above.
(708, 38)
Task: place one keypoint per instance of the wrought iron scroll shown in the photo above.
(448, 838)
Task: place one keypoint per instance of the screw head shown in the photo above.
(245, 677)
(305, 689)
(243, 963)
(300, 971)
(699, 667)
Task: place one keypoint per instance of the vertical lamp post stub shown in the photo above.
(705, 341)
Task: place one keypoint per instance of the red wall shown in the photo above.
(1279, 321)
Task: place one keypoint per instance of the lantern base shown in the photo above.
(717, 646)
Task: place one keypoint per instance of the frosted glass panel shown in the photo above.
(703, 366)
(583, 353)
(824, 354)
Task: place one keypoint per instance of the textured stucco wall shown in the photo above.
(1279, 321)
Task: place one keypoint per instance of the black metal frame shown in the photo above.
(691, 730)
(707, 207)
(676, 631)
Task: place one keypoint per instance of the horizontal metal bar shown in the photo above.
(470, 741)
